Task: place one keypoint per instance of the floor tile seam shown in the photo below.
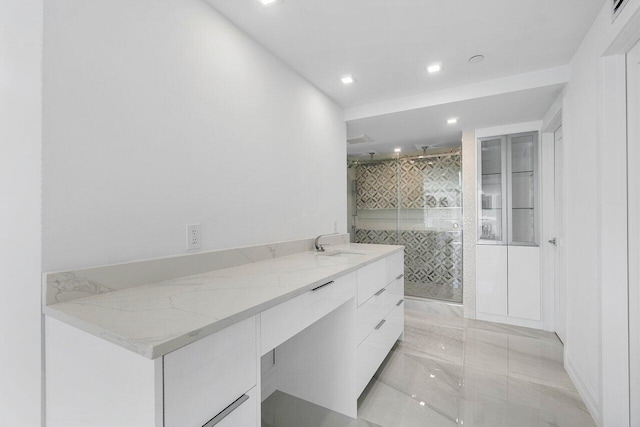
(535, 336)
(427, 357)
(411, 352)
(535, 383)
(435, 326)
(457, 392)
(431, 356)
(540, 382)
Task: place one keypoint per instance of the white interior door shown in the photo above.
(633, 185)
(560, 253)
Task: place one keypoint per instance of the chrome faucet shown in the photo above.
(319, 247)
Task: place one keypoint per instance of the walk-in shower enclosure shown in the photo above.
(415, 202)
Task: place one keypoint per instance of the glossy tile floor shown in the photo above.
(450, 371)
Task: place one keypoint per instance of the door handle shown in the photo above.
(380, 292)
(322, 286)
(554, 241)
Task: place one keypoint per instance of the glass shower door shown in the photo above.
(430, 226)
(416, 202)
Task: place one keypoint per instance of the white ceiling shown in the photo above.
(386, 44)
(428, 126)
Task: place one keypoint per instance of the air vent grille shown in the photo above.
(359, 139)
(616, 7)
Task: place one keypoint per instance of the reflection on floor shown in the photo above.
(451, 371)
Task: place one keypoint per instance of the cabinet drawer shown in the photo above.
(395, 266)
(372, 351)
(377, 307)
(242, 413)
(283, 321)
(203, 378)
(371, 278)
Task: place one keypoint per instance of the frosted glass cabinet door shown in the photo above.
(522, 188)
(491, 178)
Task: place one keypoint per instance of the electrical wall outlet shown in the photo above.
(194, 236)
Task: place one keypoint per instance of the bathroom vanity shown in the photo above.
(207, 349)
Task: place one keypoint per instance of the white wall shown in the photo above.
(20, 127)
(160, 113)
(584, 144)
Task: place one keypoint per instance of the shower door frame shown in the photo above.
(398, 211)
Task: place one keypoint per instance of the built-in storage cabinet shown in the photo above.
(507, 252)
(508, 189)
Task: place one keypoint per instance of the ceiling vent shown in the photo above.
(359, 139)
(616, 7)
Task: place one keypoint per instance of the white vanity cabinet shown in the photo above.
(327, 343)
(380, 314)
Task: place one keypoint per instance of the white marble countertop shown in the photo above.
(157, 318)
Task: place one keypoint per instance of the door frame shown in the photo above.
(549, 291)
(615, 409)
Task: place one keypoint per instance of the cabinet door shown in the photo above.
(522, 187)
(491, 190)
(524, 282)
(491, 278)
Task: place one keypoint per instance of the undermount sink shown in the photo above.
(342, 253)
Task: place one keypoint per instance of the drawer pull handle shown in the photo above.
(400, 276)
(226, 411)
(380, 291)
(399, 302)
(322, 286)
(379, 325)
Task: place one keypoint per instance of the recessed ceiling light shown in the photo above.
(476, 59)
(434, 68)
(452, 121)
(397, 150)
(348, 79)
(270, 2)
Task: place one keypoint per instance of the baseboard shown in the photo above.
(584, 389)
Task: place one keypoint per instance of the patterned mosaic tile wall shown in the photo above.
(433, 257)
(424, 183)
